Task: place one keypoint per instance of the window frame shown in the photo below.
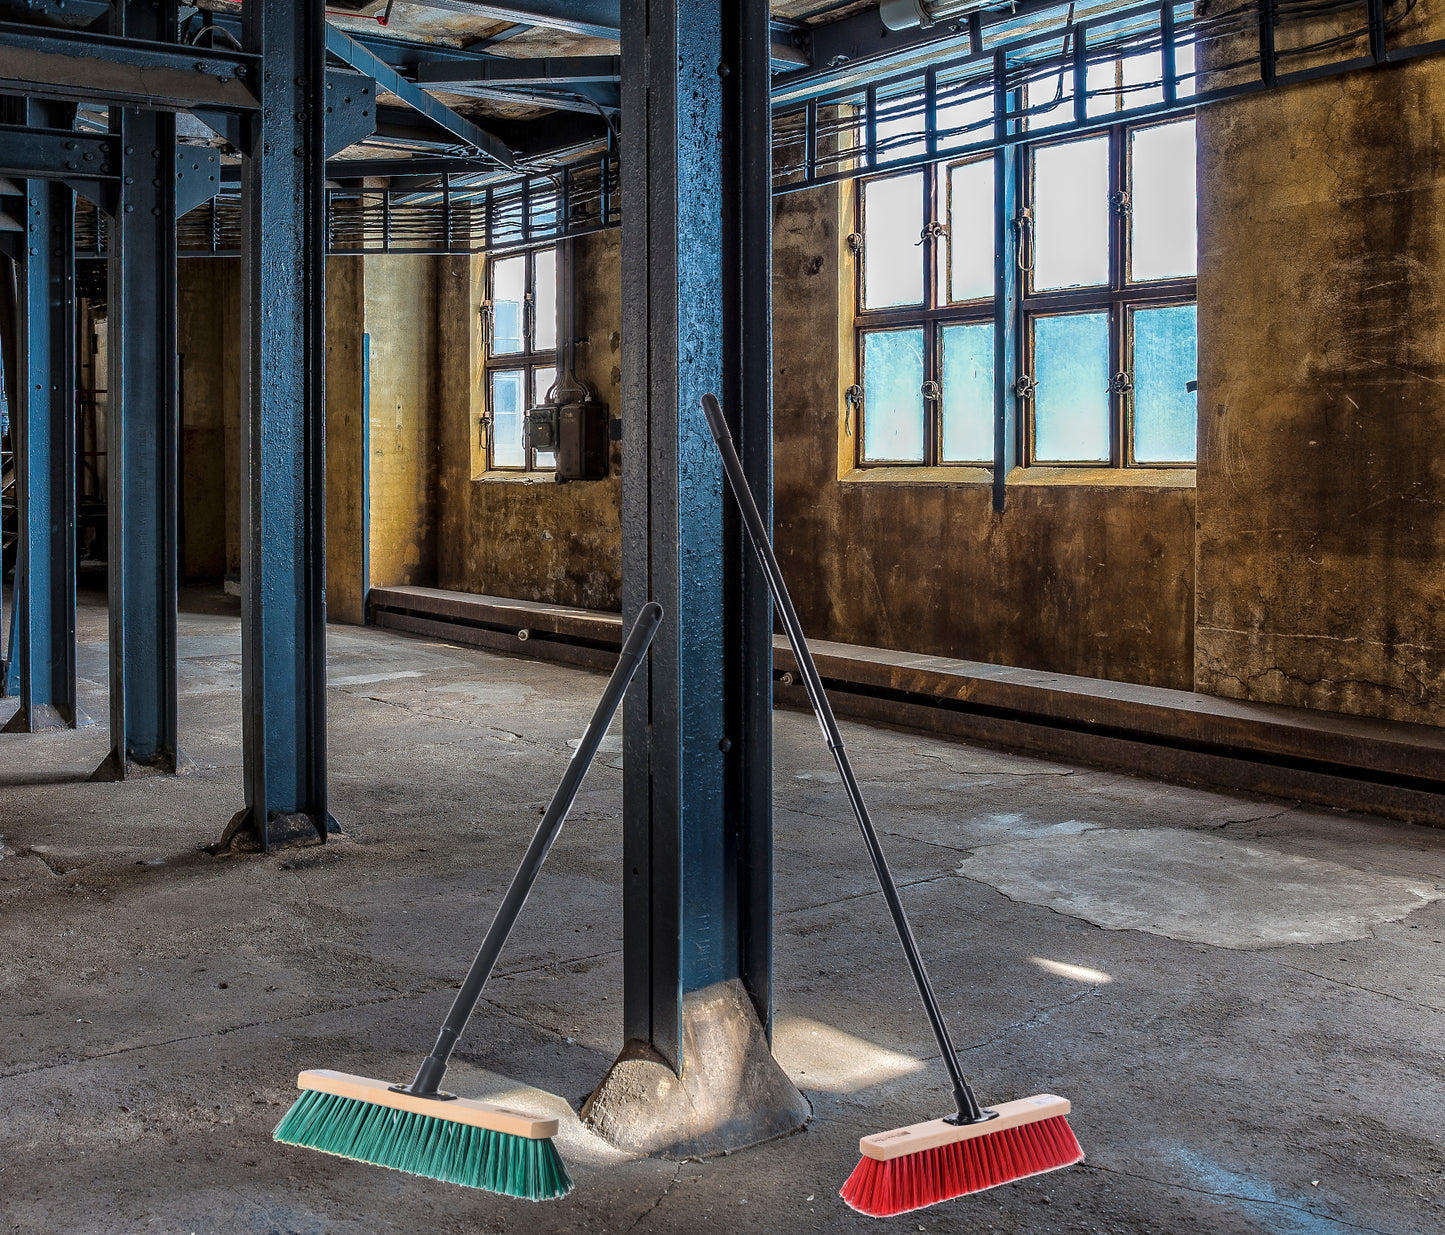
(1119, 298)
(528, 360)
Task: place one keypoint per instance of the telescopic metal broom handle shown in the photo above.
(969, 1110)
(634, 650)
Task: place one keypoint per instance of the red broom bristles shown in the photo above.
(913, 1181)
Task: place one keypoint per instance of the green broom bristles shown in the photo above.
(425, 1145)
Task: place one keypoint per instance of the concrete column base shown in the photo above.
(43, 718)
(731, 1094)
(285, 831)
(115, 767)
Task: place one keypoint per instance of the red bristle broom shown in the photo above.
(980, 1147)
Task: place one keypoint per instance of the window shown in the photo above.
(1108, 301)
(926, 336)
(521, 320)
(1101, 339)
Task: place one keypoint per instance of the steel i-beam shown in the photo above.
(44, 437)
(697, 772)
(142, 431)
(283, 399)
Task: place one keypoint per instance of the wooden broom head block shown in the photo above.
(457, 1110)
(885, 1146)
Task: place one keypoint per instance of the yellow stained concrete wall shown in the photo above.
(345, 440)
(520, 536)
(400, 305)
(1083, 573)
(208, 328)
(1322, 396)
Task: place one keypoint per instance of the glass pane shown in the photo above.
(1165, 361)
(893, 396)
(1184, 69)
(1125, 82)
(509, 288)
(544, 277)
(967, 393)
(1071, 214)
(900, 128)
(1071, 402)
(542, 379)
(507, 414)
(971, 231)
(892, 256)
(1162, 241)
(965, 116)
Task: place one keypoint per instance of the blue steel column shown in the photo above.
(44, 437)
(283, 348)
(696, 254)
(142, 432)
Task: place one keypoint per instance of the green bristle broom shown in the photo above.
(417, 1128)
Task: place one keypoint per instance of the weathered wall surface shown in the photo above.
(209, 343)
(531, 538)
(1322, 396)
(1090, 574)
(400, 299)
(345, 440)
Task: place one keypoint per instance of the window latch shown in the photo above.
(853, 396)
(1122, 384)
(1120, 203)
(931, 391)
(1025, 386)
(488, 314)
(932, 231)
(1023, 224)
(855, 243)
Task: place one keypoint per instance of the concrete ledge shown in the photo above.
(1356, 763)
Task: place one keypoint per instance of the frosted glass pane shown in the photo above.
(509, 290)
(893, 396)
(544, 276)
(1071, 214)
(971, 231)
(542, 378)
(963, 122)
(1071, 401)
(1162, 228)
(1184, 70)
(899, 129)
(1125, 82)
(1165, 361)
(507, 414)
(968, 393)
(892, 256)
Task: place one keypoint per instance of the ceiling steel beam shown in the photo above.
(519, 71)
(348, 50)
(78, 66)
(599, 19)
(56, 154)
(860, 46)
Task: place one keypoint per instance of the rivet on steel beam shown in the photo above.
(130, 150)
(128, 209)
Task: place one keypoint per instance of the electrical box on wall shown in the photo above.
(576, 433)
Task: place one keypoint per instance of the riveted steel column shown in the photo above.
(142, 429)
(44, 436)
(696, 248)
(283, 348)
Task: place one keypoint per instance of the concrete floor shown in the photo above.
(1241, 997)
